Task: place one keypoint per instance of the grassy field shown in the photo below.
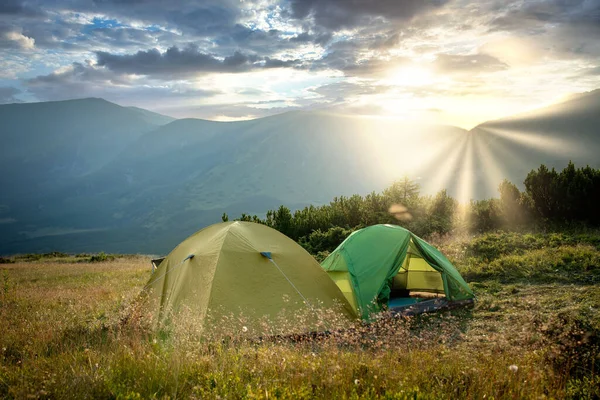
(70, 328)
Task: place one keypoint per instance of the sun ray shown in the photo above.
(490, 168)
(466, 172)
(536, 141)
(440, 176)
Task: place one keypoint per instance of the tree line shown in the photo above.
(571, 196)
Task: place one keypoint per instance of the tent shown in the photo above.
(388, 266)
(242, 268)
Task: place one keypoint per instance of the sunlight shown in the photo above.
(448, 156)
(537, 141)
(489, 166)
(466, 173)
(410, 76)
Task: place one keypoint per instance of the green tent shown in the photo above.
(246, 269)
(382, 265)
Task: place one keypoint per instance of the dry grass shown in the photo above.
(71, 330)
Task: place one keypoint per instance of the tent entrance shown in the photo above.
(415, 281)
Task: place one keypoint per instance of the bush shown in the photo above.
(566, 264)
(101, 257)
(319, 241)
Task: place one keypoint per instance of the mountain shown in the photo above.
(89, 175)
(48, 144)
(554, 135)
(152, 117)
(166, 183)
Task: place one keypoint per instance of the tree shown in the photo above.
(541, 186)
(225, 217)
(512, 205)
(484, 215)
(442, 212)
(282, 221)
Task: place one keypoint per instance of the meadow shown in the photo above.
(70, 328)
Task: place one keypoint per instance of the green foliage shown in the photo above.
(515, 206)
(490, 246)
(316, 228)
(321, 242)
(101, 257)
(441, 213)
(570, 195)
(551, 200)
(566, 264)
(484, 215)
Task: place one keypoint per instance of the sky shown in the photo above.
(453, 62)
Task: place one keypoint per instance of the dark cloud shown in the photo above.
(206, 17)
(12, 38)
(351, 57)
(574, 12)
(561, 28)
(19, 7)
(7, 95)
(336, 14)
(87, 80)
(189, 61)
(317, 38)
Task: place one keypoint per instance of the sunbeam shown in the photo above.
(490, 171)
(445, 166)
(537, 141)
(466, 172)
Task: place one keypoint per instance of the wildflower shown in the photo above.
(513, 368)
(244, 329)
(356, 382)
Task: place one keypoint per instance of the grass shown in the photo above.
(73, 330)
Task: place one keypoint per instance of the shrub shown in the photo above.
(101, 257)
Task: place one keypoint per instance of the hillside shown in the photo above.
(48, 144)
(89, 175)
(554, 135)
(73, 328)
(169, 182)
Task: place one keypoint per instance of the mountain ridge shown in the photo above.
(159, 182)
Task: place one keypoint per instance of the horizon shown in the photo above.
(453, 62)
(324, 110)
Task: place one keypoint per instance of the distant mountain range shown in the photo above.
(89, 175)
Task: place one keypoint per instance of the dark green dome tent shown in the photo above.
(242, 268)
(387, 265)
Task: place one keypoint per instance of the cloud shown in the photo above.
(190, 61)
(340, 91)
(88, 80)
(358, 53)
(7, 95)
(174, 61)
(337, 14)
(561, 29)
(229, 112)
(475, 63)
(18, 7)
(11, 38)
